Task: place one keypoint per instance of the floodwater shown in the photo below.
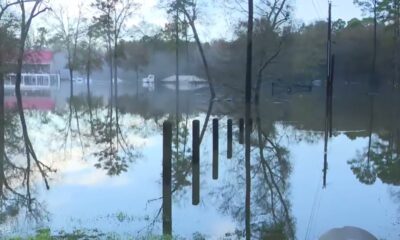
(111, 182)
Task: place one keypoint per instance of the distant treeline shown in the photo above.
(301, 58)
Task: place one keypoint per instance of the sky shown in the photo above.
(311, 10)
(217, 23)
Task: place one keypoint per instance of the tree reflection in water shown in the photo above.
(15, 200)
(113, 152)
(270, 168)
(381, 158)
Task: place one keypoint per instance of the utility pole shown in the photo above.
(328, 103)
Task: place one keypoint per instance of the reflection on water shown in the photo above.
(109, 168)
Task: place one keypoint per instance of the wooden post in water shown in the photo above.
(2, 143)
(196, 162)
(241, 131)
(215, 149)
(229, 139)
(166, 175)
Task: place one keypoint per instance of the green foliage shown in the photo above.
(41, 234)
(367, 6)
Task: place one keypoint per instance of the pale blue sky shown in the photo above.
(310, 10)
(304, 11)
(218, 22)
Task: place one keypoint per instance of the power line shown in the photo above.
(315, 8)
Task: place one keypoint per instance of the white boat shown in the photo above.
(81, 80)
(317, 83)
(186, 82)
(184, 78)
(149, 79)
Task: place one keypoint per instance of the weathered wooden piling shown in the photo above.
(229, 139)
(196, 162)
(166, 175)
(215, 149)
(241, 131)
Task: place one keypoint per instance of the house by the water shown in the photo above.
(38, 72)
(39, 78)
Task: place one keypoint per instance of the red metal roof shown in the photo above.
(38, 57)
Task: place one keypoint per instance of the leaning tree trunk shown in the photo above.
(202, 54)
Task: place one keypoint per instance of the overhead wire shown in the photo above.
(315, 8)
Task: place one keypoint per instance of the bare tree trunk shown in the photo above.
(249, 63)
(110, 109)
(177, 81)
(203, 130)
(268, 169)
(21, 110)
(260, 71)
(115, 65)
(2, 143)
(202, 54)
(88, 72)
(71, 92)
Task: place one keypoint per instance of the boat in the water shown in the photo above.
(186, 82)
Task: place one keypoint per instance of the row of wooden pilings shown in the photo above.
(196, 142)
